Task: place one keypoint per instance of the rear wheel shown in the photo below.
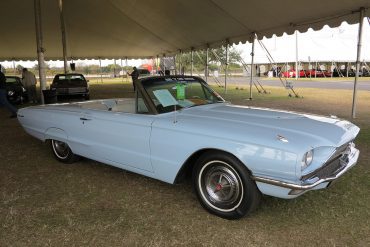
(63, 152)
(224, 187)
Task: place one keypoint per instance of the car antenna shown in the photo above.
(175, 120)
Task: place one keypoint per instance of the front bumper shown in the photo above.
(316, 180)
(72, 91)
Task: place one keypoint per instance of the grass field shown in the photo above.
(44, 202)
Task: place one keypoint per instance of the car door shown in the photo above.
(121, 138)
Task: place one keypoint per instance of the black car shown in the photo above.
(71, 85)
(16, 92)
(143, 72)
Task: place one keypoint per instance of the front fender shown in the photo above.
(171, 146)
(56, 134)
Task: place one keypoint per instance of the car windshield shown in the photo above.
(169, 94)
(144, 72)
(12, 80)
(66, 78)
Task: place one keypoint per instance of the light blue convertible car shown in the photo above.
(178, 126)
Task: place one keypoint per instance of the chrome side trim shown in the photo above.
(351, 162)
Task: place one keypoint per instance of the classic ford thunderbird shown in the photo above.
(178, 126)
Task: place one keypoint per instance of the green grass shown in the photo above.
(44, 202)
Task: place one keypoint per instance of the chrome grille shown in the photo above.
(338, 152)
(330, 169)
(334, 164)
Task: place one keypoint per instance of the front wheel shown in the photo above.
(224, 187)
(63, 152)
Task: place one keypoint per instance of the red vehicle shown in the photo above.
(146, 66)
(318, 73)
(292, 73)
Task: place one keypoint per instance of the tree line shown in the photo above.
(216, 60)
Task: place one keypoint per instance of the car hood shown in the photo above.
(261, 123)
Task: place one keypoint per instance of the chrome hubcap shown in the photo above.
(61, 149)
(221, 186)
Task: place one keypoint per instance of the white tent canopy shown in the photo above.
(137, 28)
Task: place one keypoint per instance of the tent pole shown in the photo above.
(40, 49)
(296, 55)
(174, 63)
(101, 71)
(309, 66)
(192, 61)
(121, 69)
(252, 64)
(157, 65)
(164, 64)
(63, 31)
(359, 44)
(331, 69)
(207, 58)
(180, 64)
(15, 71)
(178, 70)
(226, 64)
(126, 69)
(114, 68)
(347, 69)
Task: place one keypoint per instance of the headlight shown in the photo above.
(307, 159)
(10, 93)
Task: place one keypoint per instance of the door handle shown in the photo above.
(85, 119)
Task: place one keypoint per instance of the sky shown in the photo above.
(328, 44)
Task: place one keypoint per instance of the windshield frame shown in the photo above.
(67, 78)
(148, 100)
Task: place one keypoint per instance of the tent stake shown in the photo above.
(359, 44)
(40, 49)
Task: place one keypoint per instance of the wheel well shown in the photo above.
(187, 168)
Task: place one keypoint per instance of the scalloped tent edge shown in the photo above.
(142, 29)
